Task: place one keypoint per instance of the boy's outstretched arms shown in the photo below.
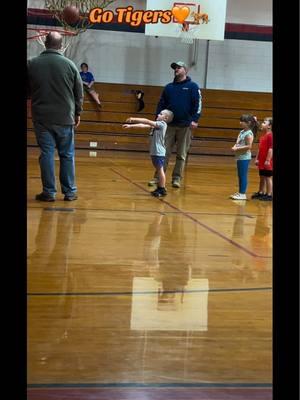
(128, 126)
(148, 122)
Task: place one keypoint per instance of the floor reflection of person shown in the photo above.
(152, 244)
(242, 268)
(48, 264)
(172, 264)
(238, 225)
(262, 235)
(51, 255)
(261, 242)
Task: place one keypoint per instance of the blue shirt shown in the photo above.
(87, 76)
(184, 99)
(241, 141)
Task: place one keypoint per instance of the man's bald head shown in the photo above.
(53, 41)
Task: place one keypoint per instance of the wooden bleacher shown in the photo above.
(217, 131)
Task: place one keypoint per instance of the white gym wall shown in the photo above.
(123, 57)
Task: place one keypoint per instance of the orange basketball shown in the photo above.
(71, 15)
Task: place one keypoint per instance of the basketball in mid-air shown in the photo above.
(71, 15)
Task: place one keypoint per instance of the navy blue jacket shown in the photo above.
(184, 99)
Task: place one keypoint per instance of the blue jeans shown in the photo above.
(242, 168)
(61, 137)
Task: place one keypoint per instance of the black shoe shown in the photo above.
(44, 197)
(163, 192)
(257, 195)
(154, 192)
(159, 192)
(70, 197)
(266, 197)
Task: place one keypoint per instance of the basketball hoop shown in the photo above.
(39, 35)
(191, 27)
(186, 34)
(56, 7)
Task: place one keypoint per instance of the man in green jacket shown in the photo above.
(56, 93)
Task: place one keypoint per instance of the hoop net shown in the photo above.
(39, 35)
(56, 7)
(186, 34)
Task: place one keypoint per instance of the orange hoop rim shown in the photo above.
(185, 26)
(44, 32)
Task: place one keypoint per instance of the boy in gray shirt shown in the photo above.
(157, 144)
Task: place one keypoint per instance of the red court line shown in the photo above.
(150, 393)
(251, 253)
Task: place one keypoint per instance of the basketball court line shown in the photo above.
(131, 293)
(142, 211)
(240, 247)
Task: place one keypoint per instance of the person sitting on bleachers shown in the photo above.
(88, 82)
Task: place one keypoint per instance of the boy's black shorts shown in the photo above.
(265, 172)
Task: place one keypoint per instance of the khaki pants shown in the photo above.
(182, 137)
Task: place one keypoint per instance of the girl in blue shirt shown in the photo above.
(242, 150)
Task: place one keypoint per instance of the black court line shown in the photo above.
(147, 211)
(150, 385)
(154, 292)
(251, 253)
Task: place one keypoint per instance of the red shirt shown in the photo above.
(265, 143)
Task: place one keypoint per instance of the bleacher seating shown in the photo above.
(216, 133)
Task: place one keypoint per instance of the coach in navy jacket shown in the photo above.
(183, 98)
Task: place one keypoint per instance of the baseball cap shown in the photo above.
(178, 64)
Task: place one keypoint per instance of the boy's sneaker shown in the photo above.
(159, 192)
(176, 183)
(257, 195)
(266, 197)
(238, 196)
(163, 192)
(153, 182)
(44, 197)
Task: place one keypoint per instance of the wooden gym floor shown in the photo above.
(133, 297)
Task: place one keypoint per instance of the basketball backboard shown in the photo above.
(206, 19)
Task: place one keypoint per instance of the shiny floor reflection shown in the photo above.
(125, 289)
